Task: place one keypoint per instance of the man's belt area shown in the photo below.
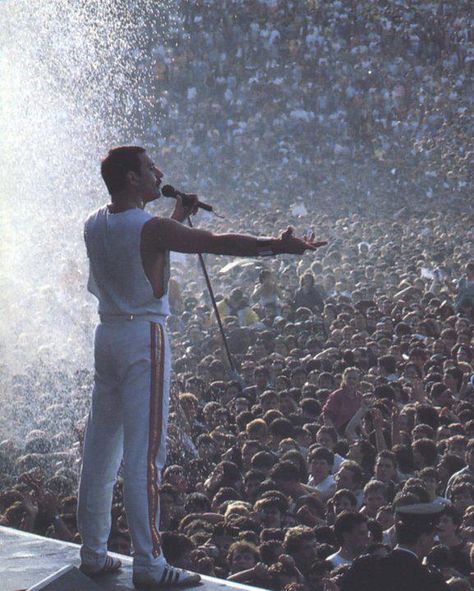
(132, 317)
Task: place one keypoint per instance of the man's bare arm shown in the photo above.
(160, 234)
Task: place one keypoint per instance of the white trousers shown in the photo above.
(129, 419)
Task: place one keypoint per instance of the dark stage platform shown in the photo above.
(26, 559)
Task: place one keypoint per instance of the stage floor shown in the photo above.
(26, 559)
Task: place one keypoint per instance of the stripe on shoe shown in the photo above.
(170, 576)
(164, 576)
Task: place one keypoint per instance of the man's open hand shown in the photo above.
(293, 245)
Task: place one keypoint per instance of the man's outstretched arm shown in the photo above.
(167, 234)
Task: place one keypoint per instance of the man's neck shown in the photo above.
(318, 480)
(347, 553)
(123, 202)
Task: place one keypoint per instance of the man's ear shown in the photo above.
(132, 177)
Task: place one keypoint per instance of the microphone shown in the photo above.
(169, 191)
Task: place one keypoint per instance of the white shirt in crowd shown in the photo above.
(336, 559)
(325, 485)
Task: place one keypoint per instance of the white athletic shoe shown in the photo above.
(169, 578)
(111, 565)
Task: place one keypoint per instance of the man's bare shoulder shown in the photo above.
(168, 234)
(160, 222)
(159, 226)
(156, 227)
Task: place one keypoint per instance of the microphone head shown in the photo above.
(169, 191)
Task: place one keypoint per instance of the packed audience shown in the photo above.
(354, 385)
(342, 97)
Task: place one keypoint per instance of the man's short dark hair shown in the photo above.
(427, 415)
(285, 471)
(271, 533)
(454, 514)
(327, 430)
(281, 428)
(321, 453)
(271, 502)
(254, 475)
(268, 395)
(175, 546)
(169, 489)
(197, 503)
(346, 522)
(118, 162)
(347, 494)
(243, 547)
(456, 373)
(205, 439)
(427, 449)
(384, 392)
(226, 493)
(462, 488)
(263, 459)
(296, 536)
(310, 406)
(357, 474)
(270, 551)
(375, 531)
(386, 454)
(388, 363)
(408, 531)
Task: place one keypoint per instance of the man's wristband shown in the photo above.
(266, 247)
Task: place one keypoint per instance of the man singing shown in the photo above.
(128, 252)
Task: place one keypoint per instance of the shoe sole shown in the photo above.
(189, 582)
(101, 573)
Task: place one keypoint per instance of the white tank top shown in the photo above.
(116, 274)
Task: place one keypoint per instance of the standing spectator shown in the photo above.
(308, 295)
(342, 404)
(465, 291)
(352, 536)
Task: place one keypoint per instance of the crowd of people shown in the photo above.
(312, 87)
(354, 389)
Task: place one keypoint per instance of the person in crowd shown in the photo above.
(415, 529)
(352, 535)
(320, 462)
(465, 290)
(449, 534)
(343, 403)
(308, 295)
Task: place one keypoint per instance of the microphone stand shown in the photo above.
(216, 311)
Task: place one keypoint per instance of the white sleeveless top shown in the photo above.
(116, 274)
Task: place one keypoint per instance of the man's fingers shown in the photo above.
(190, 203)
(315, 245)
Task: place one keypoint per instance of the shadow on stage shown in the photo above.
(33, 563)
